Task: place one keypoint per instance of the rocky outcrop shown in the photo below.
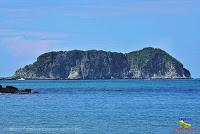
(26, 91)
(14, 90)
(155, 63)
(143, 64)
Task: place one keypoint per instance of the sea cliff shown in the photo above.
(148, 63)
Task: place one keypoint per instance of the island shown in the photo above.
(148, 63)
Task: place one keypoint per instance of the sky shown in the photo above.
(29, 28)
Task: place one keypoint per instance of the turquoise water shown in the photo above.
(100, 107)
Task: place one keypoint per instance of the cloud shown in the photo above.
(27, 45)
(98, 8)
(5, 33)
(19, 47)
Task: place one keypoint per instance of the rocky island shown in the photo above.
(14, 90)
(148, 63)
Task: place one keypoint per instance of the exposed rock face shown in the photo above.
(155, 63)
(93, 64)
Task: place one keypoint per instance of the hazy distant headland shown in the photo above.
(148, 63)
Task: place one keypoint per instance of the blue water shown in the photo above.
(100, 107)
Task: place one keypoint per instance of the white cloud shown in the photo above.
(24, 47)
(7, 33)
(100, 8)
(19, 47)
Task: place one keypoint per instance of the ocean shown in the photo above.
(100, 107)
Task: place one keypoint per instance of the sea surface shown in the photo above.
(100, 107)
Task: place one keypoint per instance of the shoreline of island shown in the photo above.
(180, 78)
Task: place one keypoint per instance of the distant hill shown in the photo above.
(148, 63)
